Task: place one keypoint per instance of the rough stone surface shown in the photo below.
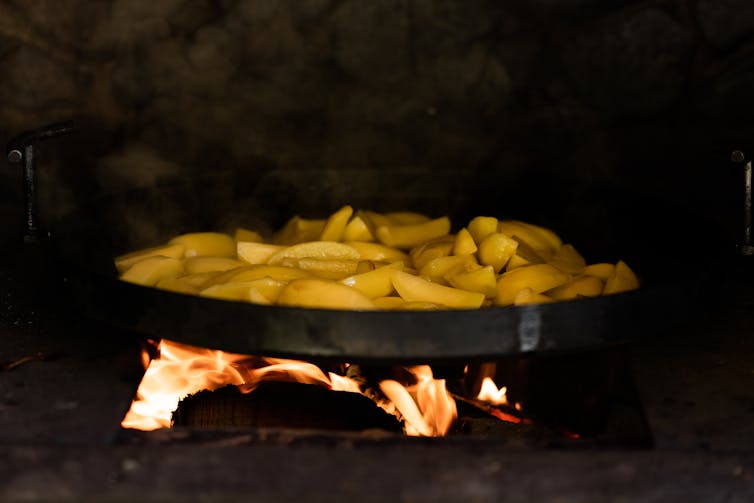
(635, 66)
(725, 22)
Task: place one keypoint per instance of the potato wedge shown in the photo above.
(527, 296)
(336, 224)
(256, 253)
(481, 227)
(440, 247)
(206, 244)
(123, 262)
(496, 250)
(328, 269)
(196, 265)
(418, 306)
(436, 269)
(482, 280)
(567, 259)
(377, 252)
(248, 235)
(388, 303)
(269, 288)
(357, 230)
(200, 280)
(602, 270)
(623, 279)
(415, 289)
(316, 249)
(408, 236)
(251, 273)
(151, 270)
(578, 287)
(464, 243)
(539, 278)
(320, 293)
(178, 285)
(542, 240)
(376, 283)
(298, 230)
(524, 255)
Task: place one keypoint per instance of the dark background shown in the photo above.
(553, 111)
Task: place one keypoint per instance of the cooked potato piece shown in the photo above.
(376, 283)
(269, 288)
(123, 262)
(496, 249)
(406, 218)
(388, 302)
(206, 244)
(440, 247)
(543, 241)
(377, 252)
(524, 255)
(527, 296)
(323, 294)
(195, 265)
(602, 271)
(408, 236)
(415, 289)
(580, 286)
(201, 280)
(328, 269)
(357, 230)
(256, 253)
(436, 269)
(316, 249)
(298, 230)
(151, 270)
(464, 243)
(481, 227)
(250, 273)
(178, 285)
(567, 259)
(482, 280)
(418, 306)
(539, 278)
(336, 224)
(623, 279)
(247, 235)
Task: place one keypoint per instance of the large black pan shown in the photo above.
(85, 240)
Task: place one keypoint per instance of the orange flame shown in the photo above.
(491, 394)
(426, 407)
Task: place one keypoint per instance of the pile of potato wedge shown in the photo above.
(364, 260)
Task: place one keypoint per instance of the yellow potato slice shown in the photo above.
(623, 279)
(481, 227)
(320, 293)
(418, 306)
(256, 253)
(357, 230)
(374, 220)
(377, 252)
(336, 224)
(602, 270)
(239, 290)
(464, 243)
(201, 280)
(376, 283)
(496, 249)
(542, 240)
(328, 269)
(567, 259)
(388, 302)
(527, 296)
(482, 280)
(195, 265)
(316, 249)
(206, 244)
(539, 278)
(251, 273)
(580, 286)
(298, 230)
(415, 289)
(178, 285)
(524, 255)
(247, 235)
(408, 236)
(440, 247)
(151, 270)
(406, 218)
(436, 269)
(123, 262)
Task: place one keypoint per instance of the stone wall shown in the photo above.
(648, 95)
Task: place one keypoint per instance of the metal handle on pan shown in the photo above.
(20, 150)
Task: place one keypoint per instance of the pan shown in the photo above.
(83, 242)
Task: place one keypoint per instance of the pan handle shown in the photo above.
(20, 150)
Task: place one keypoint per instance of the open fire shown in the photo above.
(422, 402)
